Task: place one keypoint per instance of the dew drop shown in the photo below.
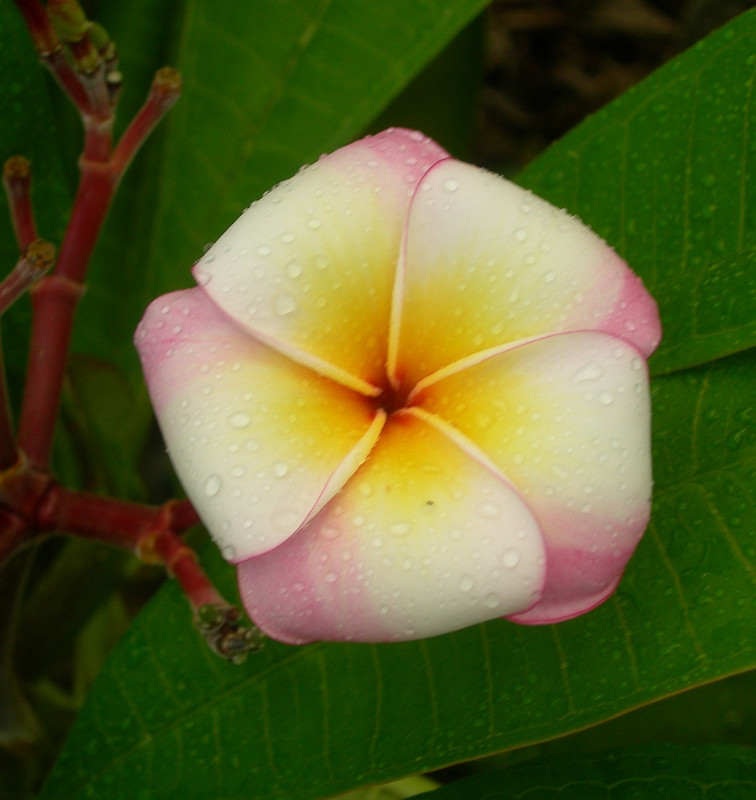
(228, 552)
(329, 532)
(466, 583)
(399, 528)
(590, 372)
(213, 485)
(511, 558)
(284, 304)
(491, 600)
(280, 469)
(251, 445)
(202, 277)
(450, 185)
(262, 250)
(313, 224)
(520, 235)
(489, 510)
(606, 398)
(239, 420)
(293, 269)
(331, 577)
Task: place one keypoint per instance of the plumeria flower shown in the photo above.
(408, 396)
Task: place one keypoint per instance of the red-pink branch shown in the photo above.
(55, 298)
(31, 500)
(17, 185)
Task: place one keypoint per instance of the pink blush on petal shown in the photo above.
(287, 589)
(634, 316)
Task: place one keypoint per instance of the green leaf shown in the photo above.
(310, 722)
(666, 174)
(660, 773)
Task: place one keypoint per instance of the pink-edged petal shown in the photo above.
(566, 419)
(258, 442)
(422, 540)
(487, 263)
(310, 267)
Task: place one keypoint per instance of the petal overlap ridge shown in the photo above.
(408, 396)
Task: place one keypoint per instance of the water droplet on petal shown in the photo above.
(491, 600)
(213, 485)
(520, 235)
(280, 469)
(284, 304)
(466, 583)
(331, 577)
(202, 277)
(314, 224)
(450, 185)
(606, 398)
(293, 269)
(239, 420)
(228, 552)
(489, 510)
(329, 532)
(511, 558)
(590, 372)
(399, 528)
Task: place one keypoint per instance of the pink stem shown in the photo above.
(53, 303)
(164, 92)
(130, 526)
(38, 257)
(17, 185)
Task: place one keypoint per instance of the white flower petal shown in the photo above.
(309, 268)
(486, 263)
(259, 442)
(566, 419)
(421, 541)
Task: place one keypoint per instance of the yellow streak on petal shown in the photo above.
(257, 440)
(565, 418)
(423, 539)
(488, 264)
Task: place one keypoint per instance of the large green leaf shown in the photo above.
(666, 174)
(660, 773)
(165, 716)
(166, 719)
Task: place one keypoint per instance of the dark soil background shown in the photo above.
(550, 63)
